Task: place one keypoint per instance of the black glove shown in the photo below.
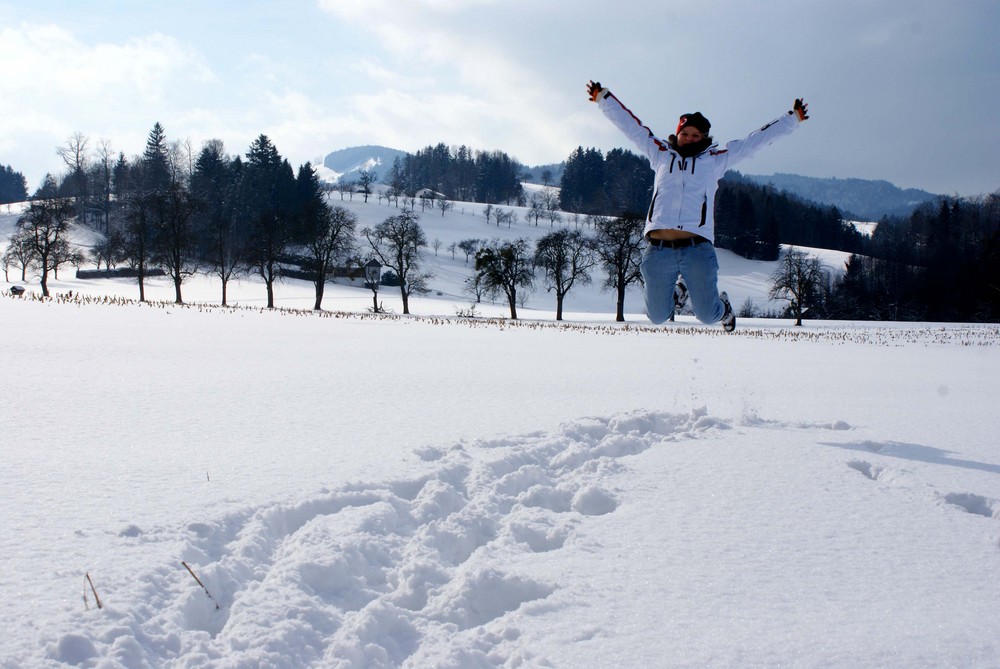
(801, 109)
(594, 90)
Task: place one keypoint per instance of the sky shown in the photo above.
(902, 90)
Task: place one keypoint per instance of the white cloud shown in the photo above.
(56, 85)
(48, 60)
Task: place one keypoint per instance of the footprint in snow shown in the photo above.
(974, 504)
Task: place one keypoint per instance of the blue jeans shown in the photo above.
(698, 265)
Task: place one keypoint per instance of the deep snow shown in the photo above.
(356, 491)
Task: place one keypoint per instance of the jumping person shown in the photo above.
(680, 226)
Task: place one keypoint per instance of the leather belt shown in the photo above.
(678, 243)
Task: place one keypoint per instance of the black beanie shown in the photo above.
(695, 120)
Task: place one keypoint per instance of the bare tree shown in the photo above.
(329, 238)
(474, 286)
(74, 152)
(619, 249)
(445, 205)
(507, 216)
(799, 279)
(109, 251)
(502, 267)
(175, 243)
(345, 187)
(138, 232)
(18, 254)
(74, 155)
(397, 242)
(536, 210)
(565, 257)
(469, 247)
(45, 227)
(367, 179)
(104, 171)
(550, 197)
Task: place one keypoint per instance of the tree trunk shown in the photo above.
(177, 291)
(320, 285)
(620, 307)
(224, 284)
(559, 306)
(270, 293)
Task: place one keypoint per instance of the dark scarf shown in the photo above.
(690, 150)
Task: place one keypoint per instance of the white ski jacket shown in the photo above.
(684, 188)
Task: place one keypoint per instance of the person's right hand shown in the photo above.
(594, 90)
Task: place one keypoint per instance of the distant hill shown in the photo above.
(860, 199)
(355, 159)
(380, 159)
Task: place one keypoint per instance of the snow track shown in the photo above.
(388, 575)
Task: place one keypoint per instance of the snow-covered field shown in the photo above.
(359, 491)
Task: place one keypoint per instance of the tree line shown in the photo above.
(176, 211)
(181, 212)
(563, 258)
(460, 174)
(941, 263)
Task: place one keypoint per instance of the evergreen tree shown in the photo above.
(582, 183)
(13, 186)
(215, 186)
(156, 161)
(268, 192)
(628, 183)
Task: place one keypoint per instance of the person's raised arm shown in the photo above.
(626, 121)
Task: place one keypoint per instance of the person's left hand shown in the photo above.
(801, 109)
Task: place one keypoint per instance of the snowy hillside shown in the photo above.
(742, 279)
(247, 488)
(355, 159)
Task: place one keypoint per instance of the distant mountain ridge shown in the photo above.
(861, 199)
